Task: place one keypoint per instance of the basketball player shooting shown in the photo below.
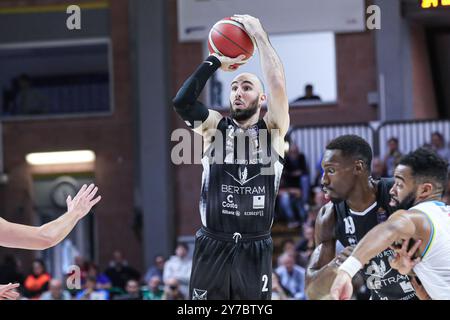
(13, 235)
(233, 249)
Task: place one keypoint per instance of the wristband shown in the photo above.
(351, 265)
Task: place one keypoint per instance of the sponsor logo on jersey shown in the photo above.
(352, 240)
(199, 294)
(409, 296)
(259, 213)
(242, 176)
(225, 211)
(258, 202)
(376, 283)
(229, 203)
(379, 277)
(243, 190)
(378, 270)
(386, 253)
(406, 287)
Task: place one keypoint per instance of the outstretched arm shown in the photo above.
(398, 227)
(277, 116)
(13, 235)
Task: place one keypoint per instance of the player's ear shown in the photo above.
(262, 98)
(425, 190)
(359, 167)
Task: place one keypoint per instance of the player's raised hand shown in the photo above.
(227, 63)
(82, 203)
(404, 260)
(251, 24)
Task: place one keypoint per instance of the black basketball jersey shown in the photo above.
(241, 176)
(384, 282)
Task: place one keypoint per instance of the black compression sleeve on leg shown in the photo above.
(185, 102)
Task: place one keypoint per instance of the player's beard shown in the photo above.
(244, 114)
(406, 203)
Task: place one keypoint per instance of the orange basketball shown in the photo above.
(229, 38)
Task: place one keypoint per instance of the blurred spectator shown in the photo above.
(392, 158)
(172, 290)
(119, 272)
(37, 281)
(319, 198)
(56, 291)
(28, 100)
(278, 292)
(439, 146)
(446, 198)
(133, 291)
(156, 269)
(9, 96)
(102, 280)
(319, 201)
(154, 289)
(309, 95)
(378, 168)
(312, 216)
(319, 172)
(292, 277)
(10, 271)
(287, 246)
(90, 291)
(179, 267)
(305, 246)
(295, 186)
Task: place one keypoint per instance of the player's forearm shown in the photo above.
(271, 64)
(51, 233)
(397, 227)
(193, 86)
(318, 282)
(185, 102)
(375, 241)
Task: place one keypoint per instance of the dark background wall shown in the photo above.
(110, 137)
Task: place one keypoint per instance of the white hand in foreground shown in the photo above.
(82, 203)
(342, 287)
(8, 292)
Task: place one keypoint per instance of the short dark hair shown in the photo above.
(439, 135)
(309, 86)
(393, 139)
(353, 146)
(184, 245)
(427, 165)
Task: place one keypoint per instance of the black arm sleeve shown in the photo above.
(185, 102)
